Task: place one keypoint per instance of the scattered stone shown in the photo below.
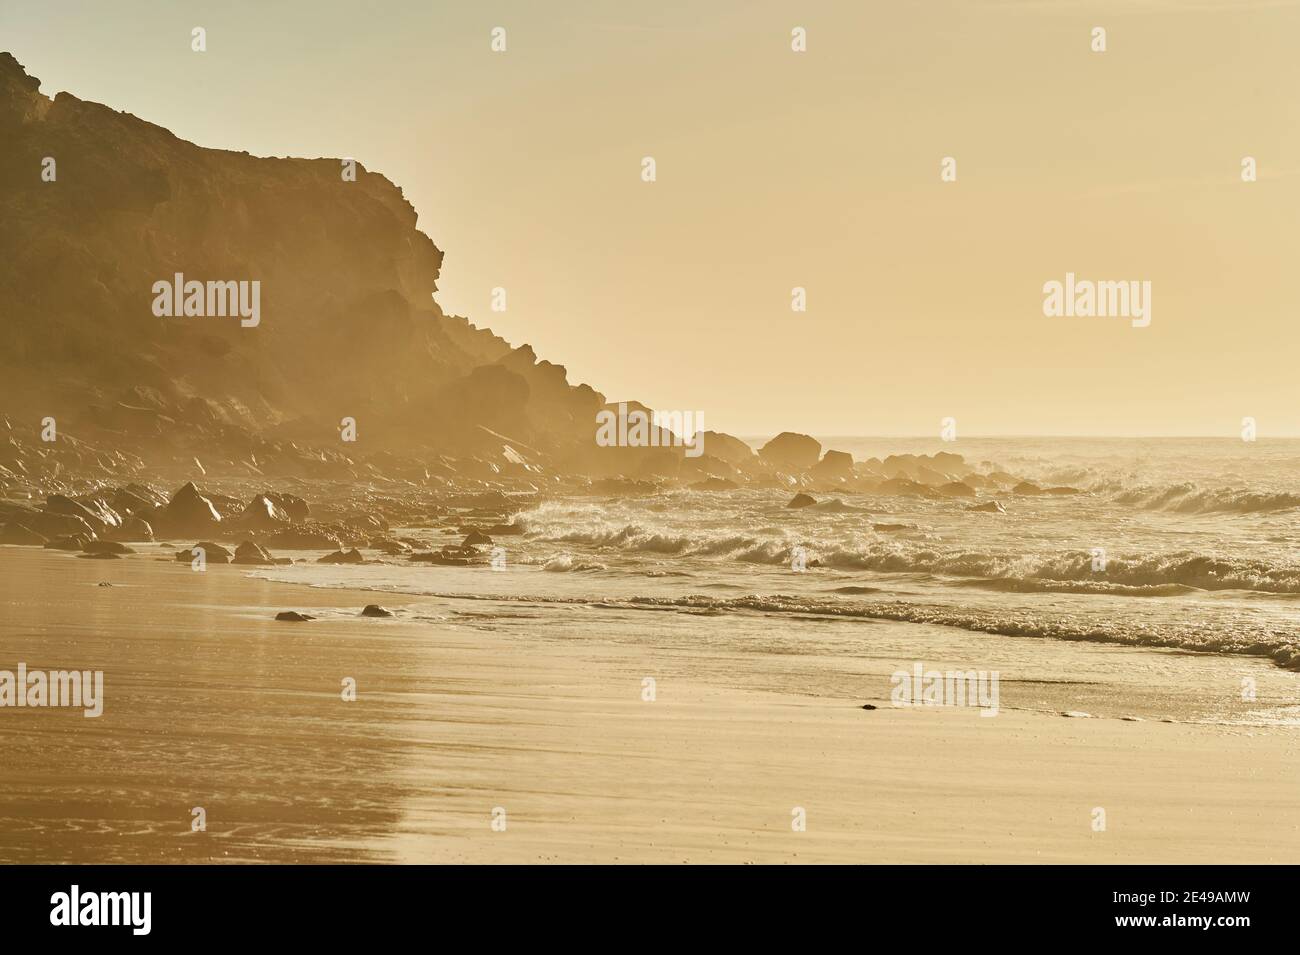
(293, 616)
(374, 610)
(303, 539)
(101, 556)
(802, 500)
(988, 507)
(869, 706)
(1077, 714)
(476, 538)
(389, 546)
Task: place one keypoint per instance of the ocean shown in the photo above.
(1166, 589)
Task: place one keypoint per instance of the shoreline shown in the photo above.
(211, 703)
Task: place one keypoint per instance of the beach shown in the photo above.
(210, 703)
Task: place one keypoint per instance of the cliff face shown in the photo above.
(347, 327)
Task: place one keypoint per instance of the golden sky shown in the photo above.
(778, 169)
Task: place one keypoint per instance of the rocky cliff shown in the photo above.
(97, 206)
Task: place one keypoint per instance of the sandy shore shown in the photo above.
(210, 703)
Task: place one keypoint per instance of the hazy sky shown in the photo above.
(779, 169)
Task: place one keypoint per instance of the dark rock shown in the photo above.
(51, 525)
(134, 528)
(835, 464)
(262, 514)
(869, 706)
(988, 507)
(97, 514)
(475, 538)
(23, 536)
(188, 512)
(100, 556)
(801, 500)
(75, 542)
(374, 610)
(1027, 489)
(728, 448)
(505, 530)
(790, 450)
(352, 556)
(212, 553)
(293, 616)
(106, 547)
(295, 507)
(251, 553)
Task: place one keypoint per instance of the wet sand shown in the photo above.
(211, 703)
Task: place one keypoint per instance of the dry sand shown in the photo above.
(210, 703)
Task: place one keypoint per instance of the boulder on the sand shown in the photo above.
(374, 610)
(293, 616)
(212, 553)
(21, 535)
(868, 706)
(389, 546)
(134, 528)
(988, 507)
(475, 538)
(303, 539)
(188, 512)
(802, 500)
(251, 553)
(834, 464)
(106, 547)
(352, 556)
(791, 450)
(262, 514)
(75, 542)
